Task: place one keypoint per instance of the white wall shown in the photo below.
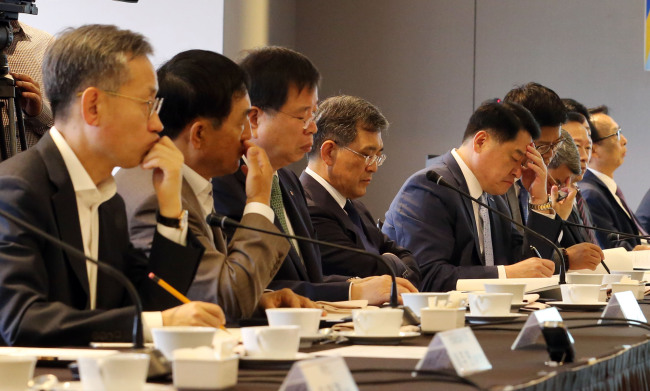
(170, 25)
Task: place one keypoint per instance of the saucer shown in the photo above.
(492, 318)
(578, 306)
(76, 386)
(377, 339)
(270, 362)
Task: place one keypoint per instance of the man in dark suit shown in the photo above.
(453, 238)
(643, 212)
(347, 151)
(606, 201)
(102, 87)
(284, 95)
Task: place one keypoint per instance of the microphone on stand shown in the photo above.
(438, 179)
(613, 235)
(224, 221)
(158, 365)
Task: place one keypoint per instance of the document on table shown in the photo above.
(399, 352)
(476, 284)
(640, 259)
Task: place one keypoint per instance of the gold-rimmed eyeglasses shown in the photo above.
(153, 106)
(370, 159)
(544, 148)
(305, 121)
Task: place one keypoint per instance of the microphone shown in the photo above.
(613, 235)
(225, 221)
(438, 179)
(158, 364)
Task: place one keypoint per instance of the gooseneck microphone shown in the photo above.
(158, 365)
(224, 221)
(613, 235)
(438, 179)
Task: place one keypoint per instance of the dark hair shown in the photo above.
(503, 120)
(575, 106)
(91, 55)
(573, 116)
(272, 70)
(543, 103)
(602, 109)
(198, 83)
(338, 118)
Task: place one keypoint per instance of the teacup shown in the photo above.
(590, 279)
(116, 372)
(490, 304)
(202, 368)
(637, 289)
(633, 274)
(580, 293)
(271, 341)
(168, 339)
(307, 319)
(378, 322)
(517, 289)
(417, 301)
(440, 319)
(16, 371)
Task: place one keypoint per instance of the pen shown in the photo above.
(534, 249)
(163, 284)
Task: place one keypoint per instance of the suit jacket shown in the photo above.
(439, 227)
(606, 212)
(232, 276)
(332, 224)
(305, 279)
(643, 212)
(44, 297)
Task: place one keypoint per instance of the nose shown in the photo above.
(311, 128)
(373, 167)
(155, 124)
(246, 132)
(623, 140)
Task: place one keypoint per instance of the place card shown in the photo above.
(623, 305)
(458, 347)
(326, 373)
(533, 327)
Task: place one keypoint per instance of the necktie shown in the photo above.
(523, 202)
(586, 219)
(277, 205)
(619, 193)
(488, 252)
(356, 219)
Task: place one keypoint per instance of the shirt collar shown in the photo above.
(198, 184)
(81, 181)
(338, 197)
(606, 179)
(473, 185)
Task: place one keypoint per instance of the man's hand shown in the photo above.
(195, 313)
(641, 247)
(30, 91)
(167, 163)
(531, 268)
(284, 298)
(584, 256)
(259, 175)
(376, 289)
(563, 208)
(533, 177)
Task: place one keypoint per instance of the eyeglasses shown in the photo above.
(305, 121)
(544, 148)
(370, 159)
(617, 134)
(153, 106)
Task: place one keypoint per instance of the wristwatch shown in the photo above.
(178, 222)
(540, 207)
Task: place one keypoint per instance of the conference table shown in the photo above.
(607, 358)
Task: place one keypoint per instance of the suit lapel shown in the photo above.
(299, 228)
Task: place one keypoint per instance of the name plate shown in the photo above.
(623, 305)
(319, 374)
(458, 347)
(532, 328)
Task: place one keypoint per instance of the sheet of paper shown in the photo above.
(404, 352)
(476, 284)
(56, 353)
(640, 259)
(616, 259)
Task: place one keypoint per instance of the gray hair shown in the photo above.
(338, 117)
(567, 154)
(91, 55)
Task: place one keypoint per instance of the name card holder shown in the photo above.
(623, 305)
(325, 373)
(532, 329)
(458, 347)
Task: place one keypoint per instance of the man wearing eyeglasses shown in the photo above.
(284, 96)
(606, 201)
(347, 151)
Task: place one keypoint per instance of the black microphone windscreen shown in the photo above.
(434, 176)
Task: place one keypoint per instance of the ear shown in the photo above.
(197, 133)
(480, 140)
(92, 106)
(328, 152)
(254, 117)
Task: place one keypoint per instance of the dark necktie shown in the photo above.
(278, 208)
(488, 252)
(523, 202)
(585, 217)
(356, 219)
(619, 193)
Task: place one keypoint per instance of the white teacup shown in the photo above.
(117, 372)
(633, 274)
(440, 319)
(271, 341)
(16, 371)
(612, 278)
(637, 289)
(168, 339)
(589, 279)
(490, 304)
(378, 322)
(201, 368)
(417, 301)
(517, 289)
(580, 293)
(307, 319)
